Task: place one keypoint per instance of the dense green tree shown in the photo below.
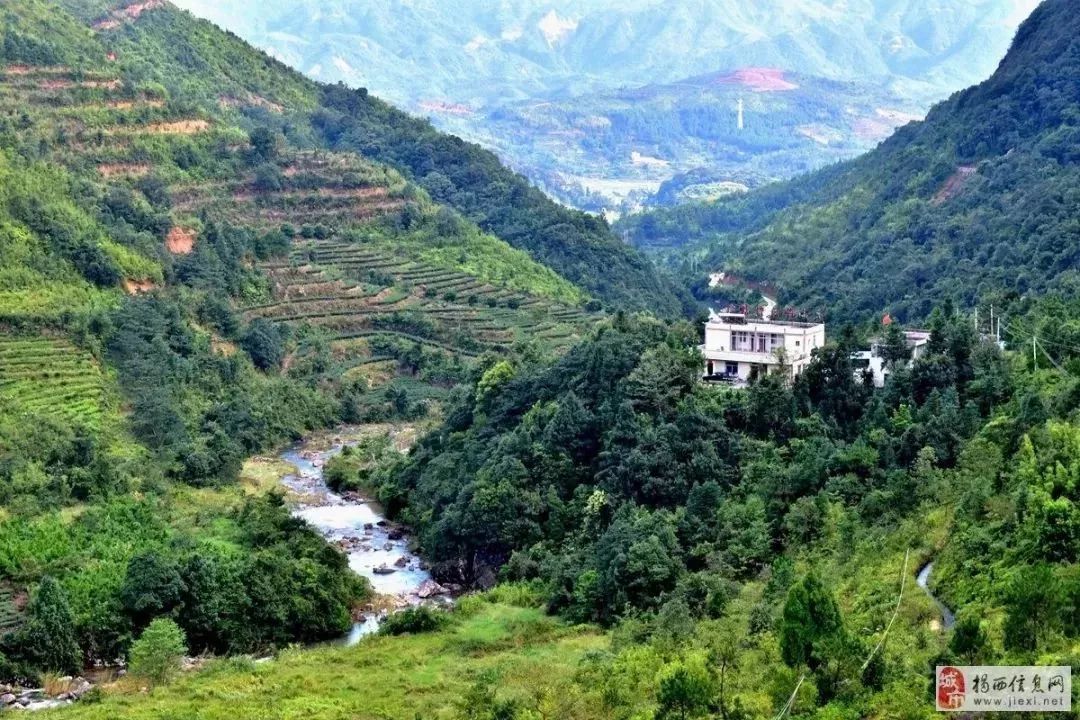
(685, 692)
(264, 144)
(810, 623)
(212, 603)
(969, 640)
(1033, 603)
(152, 588)
(894, 346)
(263, 342)
(47, 640)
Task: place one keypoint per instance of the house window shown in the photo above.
(731, 369)
(797, 343)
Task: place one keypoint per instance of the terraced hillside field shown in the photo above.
(370, 257)
(46, 376)
(10, 609)
(358, 260)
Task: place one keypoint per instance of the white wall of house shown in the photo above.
(734, 346)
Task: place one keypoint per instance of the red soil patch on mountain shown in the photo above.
(134, 11)
(872, 129)
(247, 195)
(137, 287)
(129, 12)
(38, 70)
(442, 107)
(759, 79)
(90, 84)
(180, 241)
(954, 184)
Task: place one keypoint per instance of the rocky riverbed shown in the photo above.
(16, 698)
(378, 549)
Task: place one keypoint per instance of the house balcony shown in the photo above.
(743, 356)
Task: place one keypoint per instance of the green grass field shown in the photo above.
(397, 677)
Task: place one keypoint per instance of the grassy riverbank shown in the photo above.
(524, 651)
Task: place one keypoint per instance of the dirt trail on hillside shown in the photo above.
(110, 170)
(179, 127)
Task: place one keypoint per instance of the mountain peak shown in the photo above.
(555, 28)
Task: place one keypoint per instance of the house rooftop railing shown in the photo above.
(731, 319)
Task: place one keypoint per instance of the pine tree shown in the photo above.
(811, 619)
(894, 347)
(47, 641)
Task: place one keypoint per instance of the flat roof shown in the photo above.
(742, 320)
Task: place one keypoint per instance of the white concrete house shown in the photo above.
(737, 348)
(872, 360)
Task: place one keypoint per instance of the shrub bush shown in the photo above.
(414, 620)
(157, 654)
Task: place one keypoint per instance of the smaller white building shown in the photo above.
(737, 348)
(872, 360)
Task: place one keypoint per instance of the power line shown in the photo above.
(896, 611)
(1037, 343)
(791, 700)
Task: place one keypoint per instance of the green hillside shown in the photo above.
(455, 173)
(976, 204)
(207, 257)
(190, 274)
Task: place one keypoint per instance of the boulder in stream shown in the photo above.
(430, 588)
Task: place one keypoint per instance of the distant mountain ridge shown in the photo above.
(673, 142)
(978, 204)
(525, 78)
(410, 51)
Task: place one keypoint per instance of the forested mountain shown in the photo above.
(204, 255)
(976, 204)
(602, 101)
